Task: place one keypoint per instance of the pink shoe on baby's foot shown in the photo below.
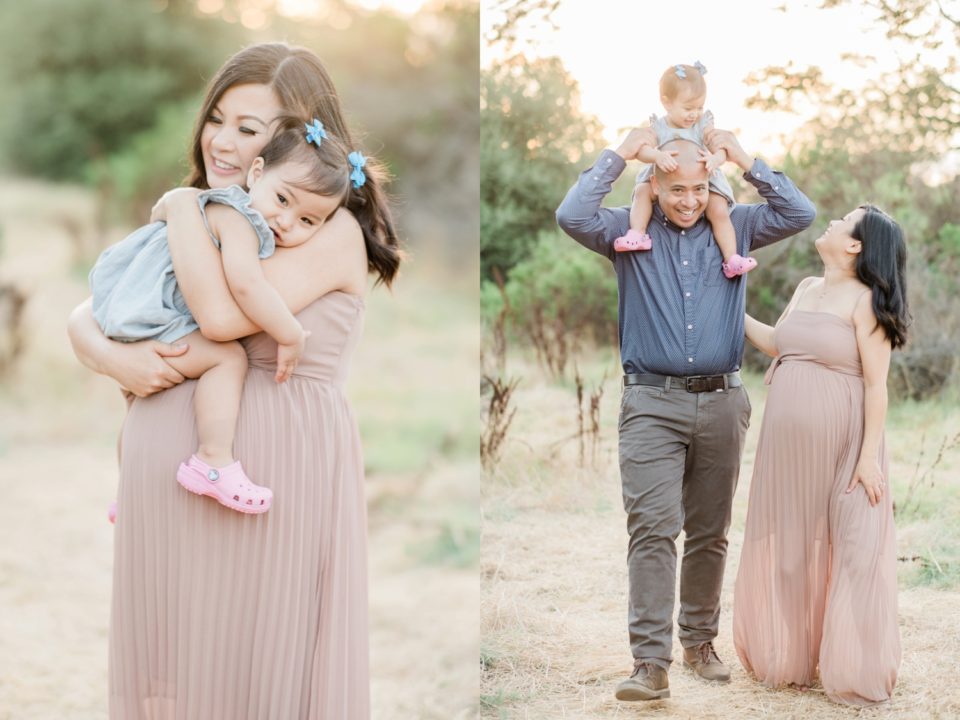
(633, 240)
(228, 485)
(112, 512)
(738, 265)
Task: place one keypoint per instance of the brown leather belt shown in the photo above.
(693, 384)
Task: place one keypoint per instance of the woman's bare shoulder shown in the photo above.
(335, 258)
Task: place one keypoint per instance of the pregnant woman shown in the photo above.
(816, 592)
(218, 614)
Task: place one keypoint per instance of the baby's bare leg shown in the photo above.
(719, 217)
(220, 368)
(642, 208)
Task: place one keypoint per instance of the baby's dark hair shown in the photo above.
(329, 169)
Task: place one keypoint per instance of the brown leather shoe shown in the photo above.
(648, 682)
(703, 660)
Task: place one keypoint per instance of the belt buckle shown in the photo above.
(696, 384)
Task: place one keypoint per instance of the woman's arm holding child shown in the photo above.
(137, 366)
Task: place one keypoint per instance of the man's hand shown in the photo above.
(718, 140)
(636, 140)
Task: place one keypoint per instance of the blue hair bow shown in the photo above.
(357, 160)
(681, 73)
(699, 66)
(315, 132)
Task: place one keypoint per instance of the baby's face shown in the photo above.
(293, 213)
(684, 110)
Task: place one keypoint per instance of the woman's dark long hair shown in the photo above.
(882, 266)
(304, 89)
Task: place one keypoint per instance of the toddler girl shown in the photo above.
(683, 92)
(299, 180)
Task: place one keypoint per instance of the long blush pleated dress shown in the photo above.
(218, 615)
(816, 591)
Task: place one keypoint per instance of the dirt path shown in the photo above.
(554, 633)
(553, 594)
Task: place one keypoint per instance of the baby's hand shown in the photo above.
(712, 161)
(635, 141)
(159, 211)
(288, 356)
(666, 160)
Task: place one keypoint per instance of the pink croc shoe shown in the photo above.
(633, 240)
(228, 485)
(738, 265)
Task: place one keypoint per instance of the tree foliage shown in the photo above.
(81, 76)
(514, 14)
(559, 298)
(878, 144)
(913, 110)
(532, 134)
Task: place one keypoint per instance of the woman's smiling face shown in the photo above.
(235, 132)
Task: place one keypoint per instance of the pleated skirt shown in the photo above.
(816, 591)
(218, 615)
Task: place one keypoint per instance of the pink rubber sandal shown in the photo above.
(632, 241)
(112, 512)
(738, 265)
(228, 485)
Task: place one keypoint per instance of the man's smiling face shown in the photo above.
(683, 193)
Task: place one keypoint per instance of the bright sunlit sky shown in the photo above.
(618, 49)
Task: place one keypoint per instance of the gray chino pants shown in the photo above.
(679, 461)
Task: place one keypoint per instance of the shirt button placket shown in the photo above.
(686, 282)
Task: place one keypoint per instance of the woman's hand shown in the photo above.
(182, 194)
(140, 366)
(868, 473)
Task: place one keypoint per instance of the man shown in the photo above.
(684, 413)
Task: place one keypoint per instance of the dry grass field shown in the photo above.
(58, 427)
(553, 568)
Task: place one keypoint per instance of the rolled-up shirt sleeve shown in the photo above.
(786, 211)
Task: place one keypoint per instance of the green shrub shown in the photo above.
(79, 77)
(131, 180)
(561, 297)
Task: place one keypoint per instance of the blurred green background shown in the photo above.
(99, 99)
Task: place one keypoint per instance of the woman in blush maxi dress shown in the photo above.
(217, 615)
(239, 624)
(816, 590)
